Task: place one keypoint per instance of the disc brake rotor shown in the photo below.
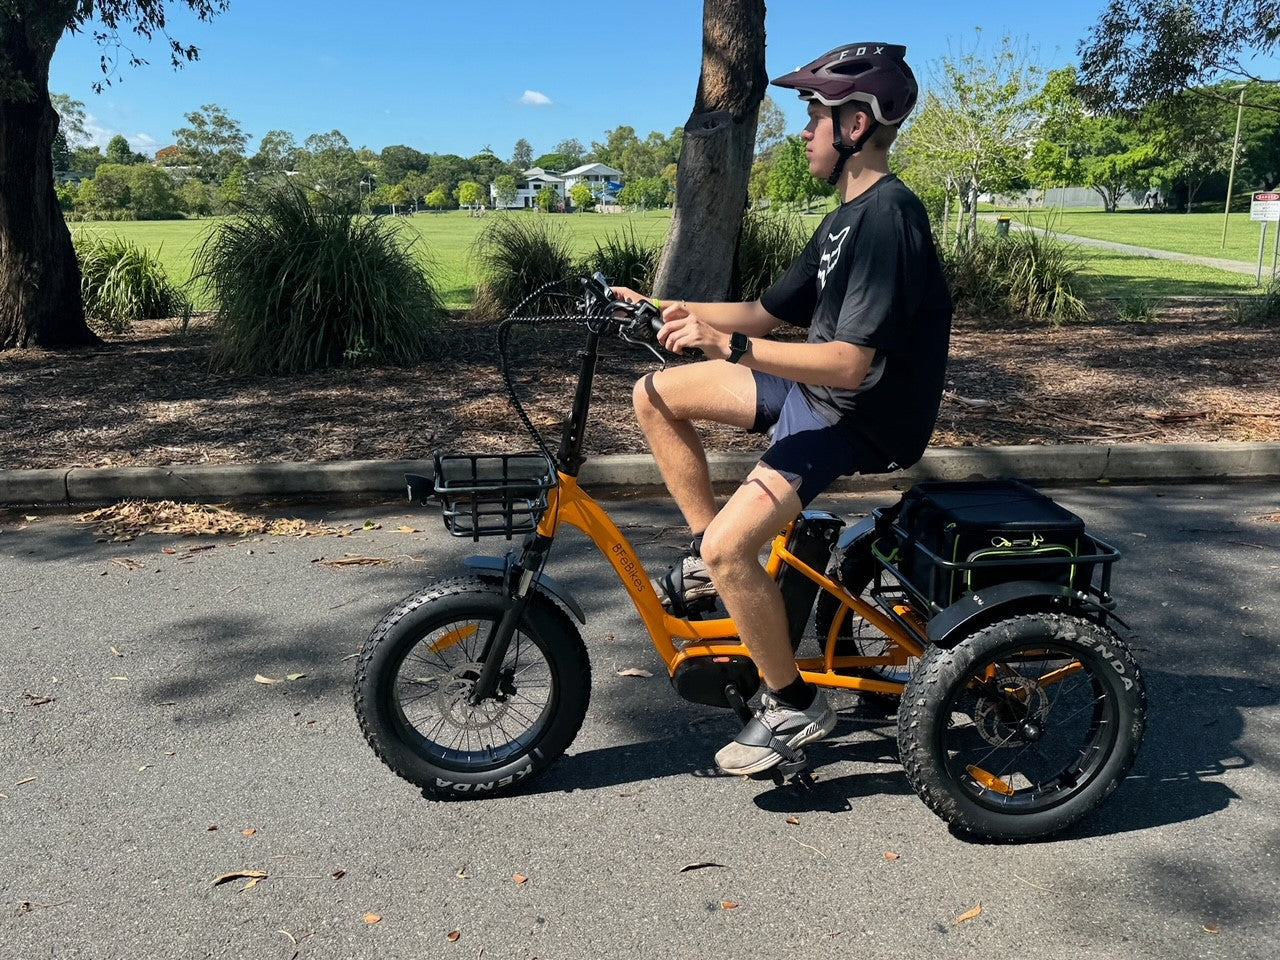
(451, 700)
(1014, 715)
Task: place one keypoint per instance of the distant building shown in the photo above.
(604, 181)
(531, 183)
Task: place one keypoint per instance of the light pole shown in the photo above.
(1231, 177)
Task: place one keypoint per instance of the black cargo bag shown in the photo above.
(953, 538)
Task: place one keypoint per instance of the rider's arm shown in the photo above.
(750, 318)
(834, 364)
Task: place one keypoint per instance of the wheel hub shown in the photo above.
(1013, 712)
(454, 693)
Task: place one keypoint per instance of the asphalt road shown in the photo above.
(142, 761)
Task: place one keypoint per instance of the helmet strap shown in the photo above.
(846, 150)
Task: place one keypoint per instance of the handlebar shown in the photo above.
(638, 322)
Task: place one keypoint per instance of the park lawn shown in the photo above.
(1111, 274)
(443, 242)
(1199, 234)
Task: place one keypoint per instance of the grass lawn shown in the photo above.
(1195, 233)
(443, 241)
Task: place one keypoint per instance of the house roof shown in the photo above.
(537, 173)
(601, 169)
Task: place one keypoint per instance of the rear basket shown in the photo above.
(492, 495)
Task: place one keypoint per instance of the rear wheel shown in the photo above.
(416, 673)
(856, 637)
(1023, 728)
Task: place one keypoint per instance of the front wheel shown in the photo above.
(416, 672)
(1024, 727)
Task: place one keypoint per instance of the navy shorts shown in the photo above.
(806, 446)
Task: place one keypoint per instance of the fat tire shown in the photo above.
(924, 718)
(380, 657)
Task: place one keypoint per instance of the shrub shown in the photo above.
(1136, 309)
(299, 286)
(1261, 310)
(1026, 275)
(768, 243)
(625, 259)
(515, 255)
(121, 283)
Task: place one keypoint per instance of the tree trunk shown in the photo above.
(698, 261)
(40, 303)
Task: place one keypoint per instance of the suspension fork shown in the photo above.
(517, 583)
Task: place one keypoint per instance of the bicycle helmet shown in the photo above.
(875, 74)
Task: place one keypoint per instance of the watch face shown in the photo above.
(738, 342)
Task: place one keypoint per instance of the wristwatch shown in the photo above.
(739, 344)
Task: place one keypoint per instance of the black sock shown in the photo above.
(696, 544)
(798, 694)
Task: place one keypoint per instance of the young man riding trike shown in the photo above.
(1021, 709)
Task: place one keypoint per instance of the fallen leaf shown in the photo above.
(407, 530)
(169, 550)
(211, 828)
(21, 782)
(1212, 928)
(794, 821)
(338, 874)
(248, 831)
(700, 866)
(351, 560)
(454, 935)
(143, 767)
(370, 525)
(32, 519)
(295, 676)
(126, 563)
(728, 905)
(251, 884)
(238, 874)
(462, 874)
(970, 914)
(115, 651)
(520, 878)
(890, 855)
(634, 672)
(261, 679)
(372, 918)
(125, 679)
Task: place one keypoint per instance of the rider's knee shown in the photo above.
(645, 398)
(722, 551)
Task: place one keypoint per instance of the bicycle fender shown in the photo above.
(978, 609)
(542, 583)
(850, 534)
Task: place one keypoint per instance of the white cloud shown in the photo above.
(100, 136)
(535, 99)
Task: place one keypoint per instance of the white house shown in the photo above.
(531, 183)
(603, 180)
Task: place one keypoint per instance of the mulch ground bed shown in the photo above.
(150, 397)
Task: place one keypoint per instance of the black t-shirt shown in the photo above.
(870, 276)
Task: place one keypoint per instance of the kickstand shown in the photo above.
(794, 767)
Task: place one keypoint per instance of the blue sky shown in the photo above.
(447, 77)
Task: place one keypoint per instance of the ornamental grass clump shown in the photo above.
(516, 254)
(624, 259)
(299, 285)
(768, 243)
(121, 283)
(1024, 276)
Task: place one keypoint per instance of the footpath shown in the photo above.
(1062, 464)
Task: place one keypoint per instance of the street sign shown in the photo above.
(1265, 206)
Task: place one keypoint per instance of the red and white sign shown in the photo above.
(1265, 206)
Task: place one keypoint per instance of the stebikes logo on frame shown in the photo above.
(630, 566)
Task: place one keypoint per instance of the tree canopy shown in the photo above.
(1141, 51)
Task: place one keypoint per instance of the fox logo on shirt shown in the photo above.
(830, 255)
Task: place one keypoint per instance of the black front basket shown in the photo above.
(489, 495)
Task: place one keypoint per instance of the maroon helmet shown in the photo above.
(872, 73)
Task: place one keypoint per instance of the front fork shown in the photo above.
(518, 583)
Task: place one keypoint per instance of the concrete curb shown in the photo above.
(1084, 463)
